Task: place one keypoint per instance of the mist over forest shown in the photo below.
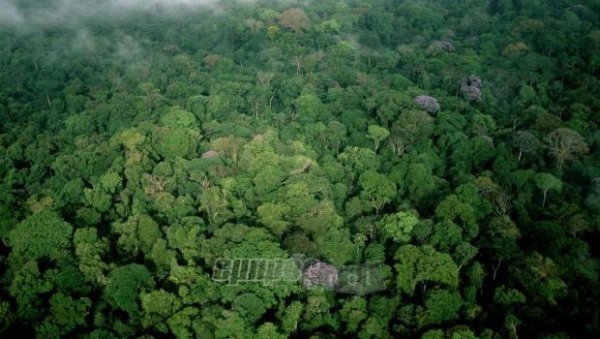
(299, 169)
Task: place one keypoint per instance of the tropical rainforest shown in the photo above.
(453, 143)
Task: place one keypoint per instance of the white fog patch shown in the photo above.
(9, 14)
(71, 12)
(129, 49)
(84, 42)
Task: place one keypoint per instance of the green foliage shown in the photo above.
(508, 296)
(137, 234)
(231, 325)
(26, 286)
(290, 317)
(172, 143)
(546, 182)
(157, 306)
(398, 227)
(66, 314)
(378, 134)
(178, 118)
(273, 216)
(424, 264)
(353, 312)
(40, 235)
(124, 285)
(89, 249)
(377, 189)
(336, 246)
(249, 306)
(359, 160)
(440, 306)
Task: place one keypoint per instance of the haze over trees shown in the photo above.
(451, 144)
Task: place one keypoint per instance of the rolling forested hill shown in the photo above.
(443, 154)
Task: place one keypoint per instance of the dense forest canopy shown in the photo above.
(449, 149)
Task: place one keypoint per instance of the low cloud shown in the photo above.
(9, 14)
(129, 49)
(69, 12)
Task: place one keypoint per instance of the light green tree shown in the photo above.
(424, 264)
(440, 306)
(547, 182)
(66, 314)
(398, 227)
(353, 313)
(89, 249)
(157, 306)
(124, 286)
(290, 317)
(378, 134)
(44, 234)
(274, 217)
(377, 189)
(137, 234)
